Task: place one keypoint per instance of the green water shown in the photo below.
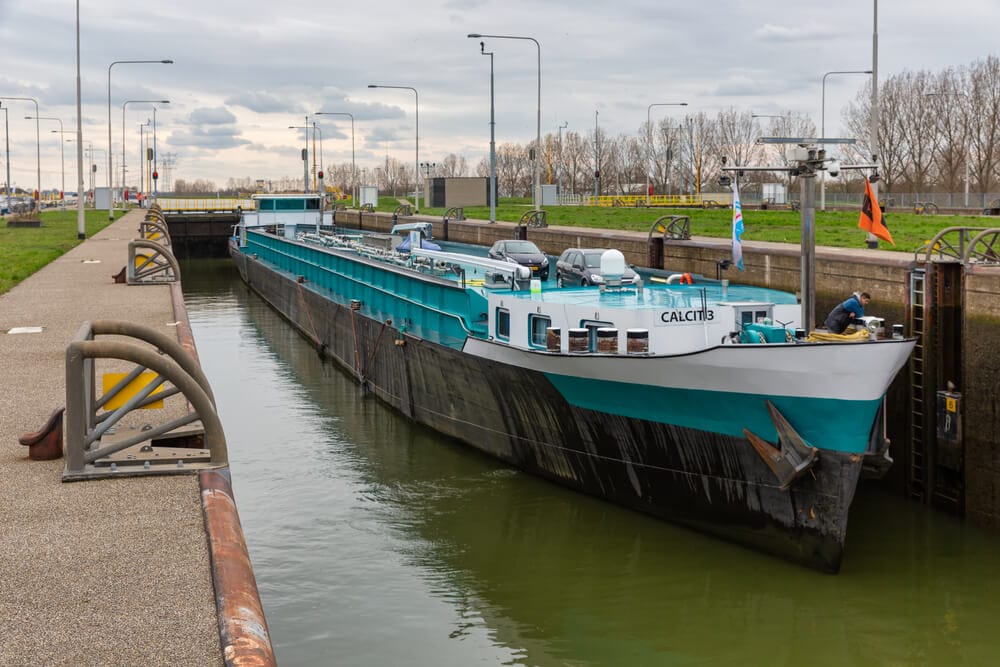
(375, 542)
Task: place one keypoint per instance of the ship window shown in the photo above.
(753, 316)
(537, 324)
(290, 204)
(312, 204)
(592, 326)
(265, 205)
(503, 324)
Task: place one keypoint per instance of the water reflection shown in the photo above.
(376, 542)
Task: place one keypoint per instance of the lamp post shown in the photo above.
(124, 104)
(872, 240)
(538, 132)
(597, 158)
(493, 145)
(305, 152)
(968, 153)
(564, 125)
(111, 204)
(416, 162)
(38, 141)
(6, 136)
(81, 226)
(318, 178)
(143, 159)
(354, 170)
(822, 131)
(649, 144)
(62, 154)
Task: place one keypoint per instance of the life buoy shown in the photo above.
(680, 278)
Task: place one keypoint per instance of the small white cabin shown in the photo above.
(299, 212)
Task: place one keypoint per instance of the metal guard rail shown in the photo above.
(85, 427)
(159, 267)
(944, 245)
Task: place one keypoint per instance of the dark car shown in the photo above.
(524, 253)
(582, 266)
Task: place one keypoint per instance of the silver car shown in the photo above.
(582, 266)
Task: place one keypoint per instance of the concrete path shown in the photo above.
(107, 572)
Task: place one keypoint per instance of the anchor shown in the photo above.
(791, 458)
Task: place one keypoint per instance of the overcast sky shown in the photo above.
(244, 71)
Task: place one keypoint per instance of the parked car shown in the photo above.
(582, 266)
(524, 253)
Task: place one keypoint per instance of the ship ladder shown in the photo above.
(918, 417)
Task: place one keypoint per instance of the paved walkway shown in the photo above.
(106, 572)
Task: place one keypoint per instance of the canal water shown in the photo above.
(375, 542)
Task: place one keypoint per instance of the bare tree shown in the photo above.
(453, 166)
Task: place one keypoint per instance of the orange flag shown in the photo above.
(871, 216)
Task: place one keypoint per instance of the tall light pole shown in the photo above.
(871, 238)
(416, 162)
(968, 153)
(143, 160)
(354, 170)
(597, 158)
(493, 144)
(62, 154)
(6, 136)
(81, 226)
(111, 204)
(124, 104)
(305, 152)
(38, 140)
(649, 143)
(822, 130)
(535, 195)
(564, 125)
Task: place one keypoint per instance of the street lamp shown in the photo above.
(493, 144)
(535, 195)
(822, 131)
(6, 136)
(62, 154)
(354, 170)
(416, 162)
(143, 161)
(124, 104)
(968, 153)
(111, 203)
(38, 142)
(872, 240)
(81, 226)
(564, 125)
(305, 152)
(649, 131)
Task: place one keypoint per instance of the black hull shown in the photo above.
(710, 482)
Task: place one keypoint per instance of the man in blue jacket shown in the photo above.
(848, 311)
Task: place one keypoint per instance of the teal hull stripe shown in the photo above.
(824, 423)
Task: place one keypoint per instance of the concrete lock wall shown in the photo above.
(839, 272)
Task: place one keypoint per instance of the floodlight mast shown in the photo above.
(811, 160)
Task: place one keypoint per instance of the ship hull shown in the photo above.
(712, 482)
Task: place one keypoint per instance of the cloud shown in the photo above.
(265, 103)
(209, 128)
(788, 34)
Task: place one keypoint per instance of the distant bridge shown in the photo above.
(200, 226)
(205, 204)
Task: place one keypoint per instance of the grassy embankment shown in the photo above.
(24, 250)
(833, 228)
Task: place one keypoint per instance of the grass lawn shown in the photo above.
(833, 228)
(24, 250)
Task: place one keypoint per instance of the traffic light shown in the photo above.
(321, 175)
(156, 175)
